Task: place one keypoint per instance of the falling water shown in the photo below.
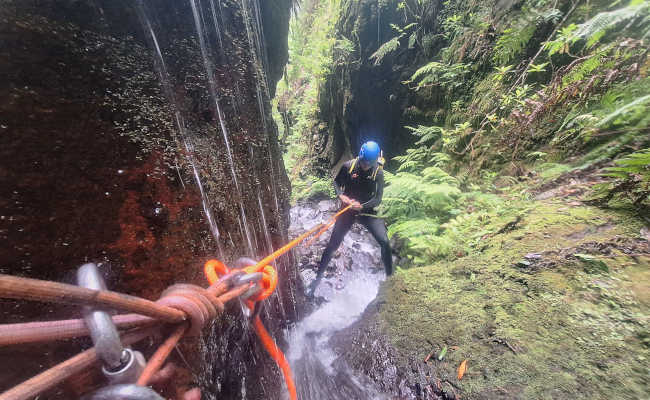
(216, 25)
(254, 43)
(212, 86)
(320, 373)
(164, 79)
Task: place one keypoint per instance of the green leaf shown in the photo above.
(442, 354)
(412, 39)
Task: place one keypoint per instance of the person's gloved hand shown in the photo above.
(356, 205)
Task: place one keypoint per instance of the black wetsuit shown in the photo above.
(360, 186)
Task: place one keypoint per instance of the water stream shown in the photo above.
(320, 373)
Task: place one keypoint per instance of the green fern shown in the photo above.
(409, 195)
(631, 180)
(413, 160)
(583, 70)
(386, 49)
(439, 74)
(511, 43)
(636, 14)
(426, 133)
(594, 29)
(565, 37)
(638, 105)
(436, 175)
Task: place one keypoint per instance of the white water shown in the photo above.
(319, 372)
(341, 311)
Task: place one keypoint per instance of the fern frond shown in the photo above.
(594, 29)
(385, 49)
(426, 133)
(437, 175)
(622, 110)
(435, 73)
(512, 42)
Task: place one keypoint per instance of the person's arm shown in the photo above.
(341, 179)
(379, 192)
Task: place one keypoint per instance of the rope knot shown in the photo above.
(197, 303)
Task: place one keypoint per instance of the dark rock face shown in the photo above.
(361, 101)
(93, 168)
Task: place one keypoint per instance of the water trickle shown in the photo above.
(212, 88)
(254, 42)
(216, 24)
(180, 123)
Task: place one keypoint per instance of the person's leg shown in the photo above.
(377, 228)
(341, 228)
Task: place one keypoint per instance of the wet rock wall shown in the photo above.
(93, 166)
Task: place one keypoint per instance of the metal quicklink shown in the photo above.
(254, 278)
(124, 392)
(247, 278)
(120, 365)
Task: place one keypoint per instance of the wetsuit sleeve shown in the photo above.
(341, 179)
(379, 192)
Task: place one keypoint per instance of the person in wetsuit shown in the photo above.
(360, 182)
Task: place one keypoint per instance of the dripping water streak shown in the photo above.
(254, 44)
(213, 93)
(216, 25)
(164, 79)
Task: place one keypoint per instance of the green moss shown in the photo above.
(576, 334)
(550, 171)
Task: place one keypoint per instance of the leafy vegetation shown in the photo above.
(507, 105)
(313, 49)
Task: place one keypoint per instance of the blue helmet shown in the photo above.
(369, 152)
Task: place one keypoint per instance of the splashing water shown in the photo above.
(320, 373)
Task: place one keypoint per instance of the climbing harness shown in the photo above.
(188, 307)
(380, 165)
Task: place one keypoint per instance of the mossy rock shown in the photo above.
(533, 321)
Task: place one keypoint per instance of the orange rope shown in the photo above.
(277, 355)
(271, 257)
(213, 269)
